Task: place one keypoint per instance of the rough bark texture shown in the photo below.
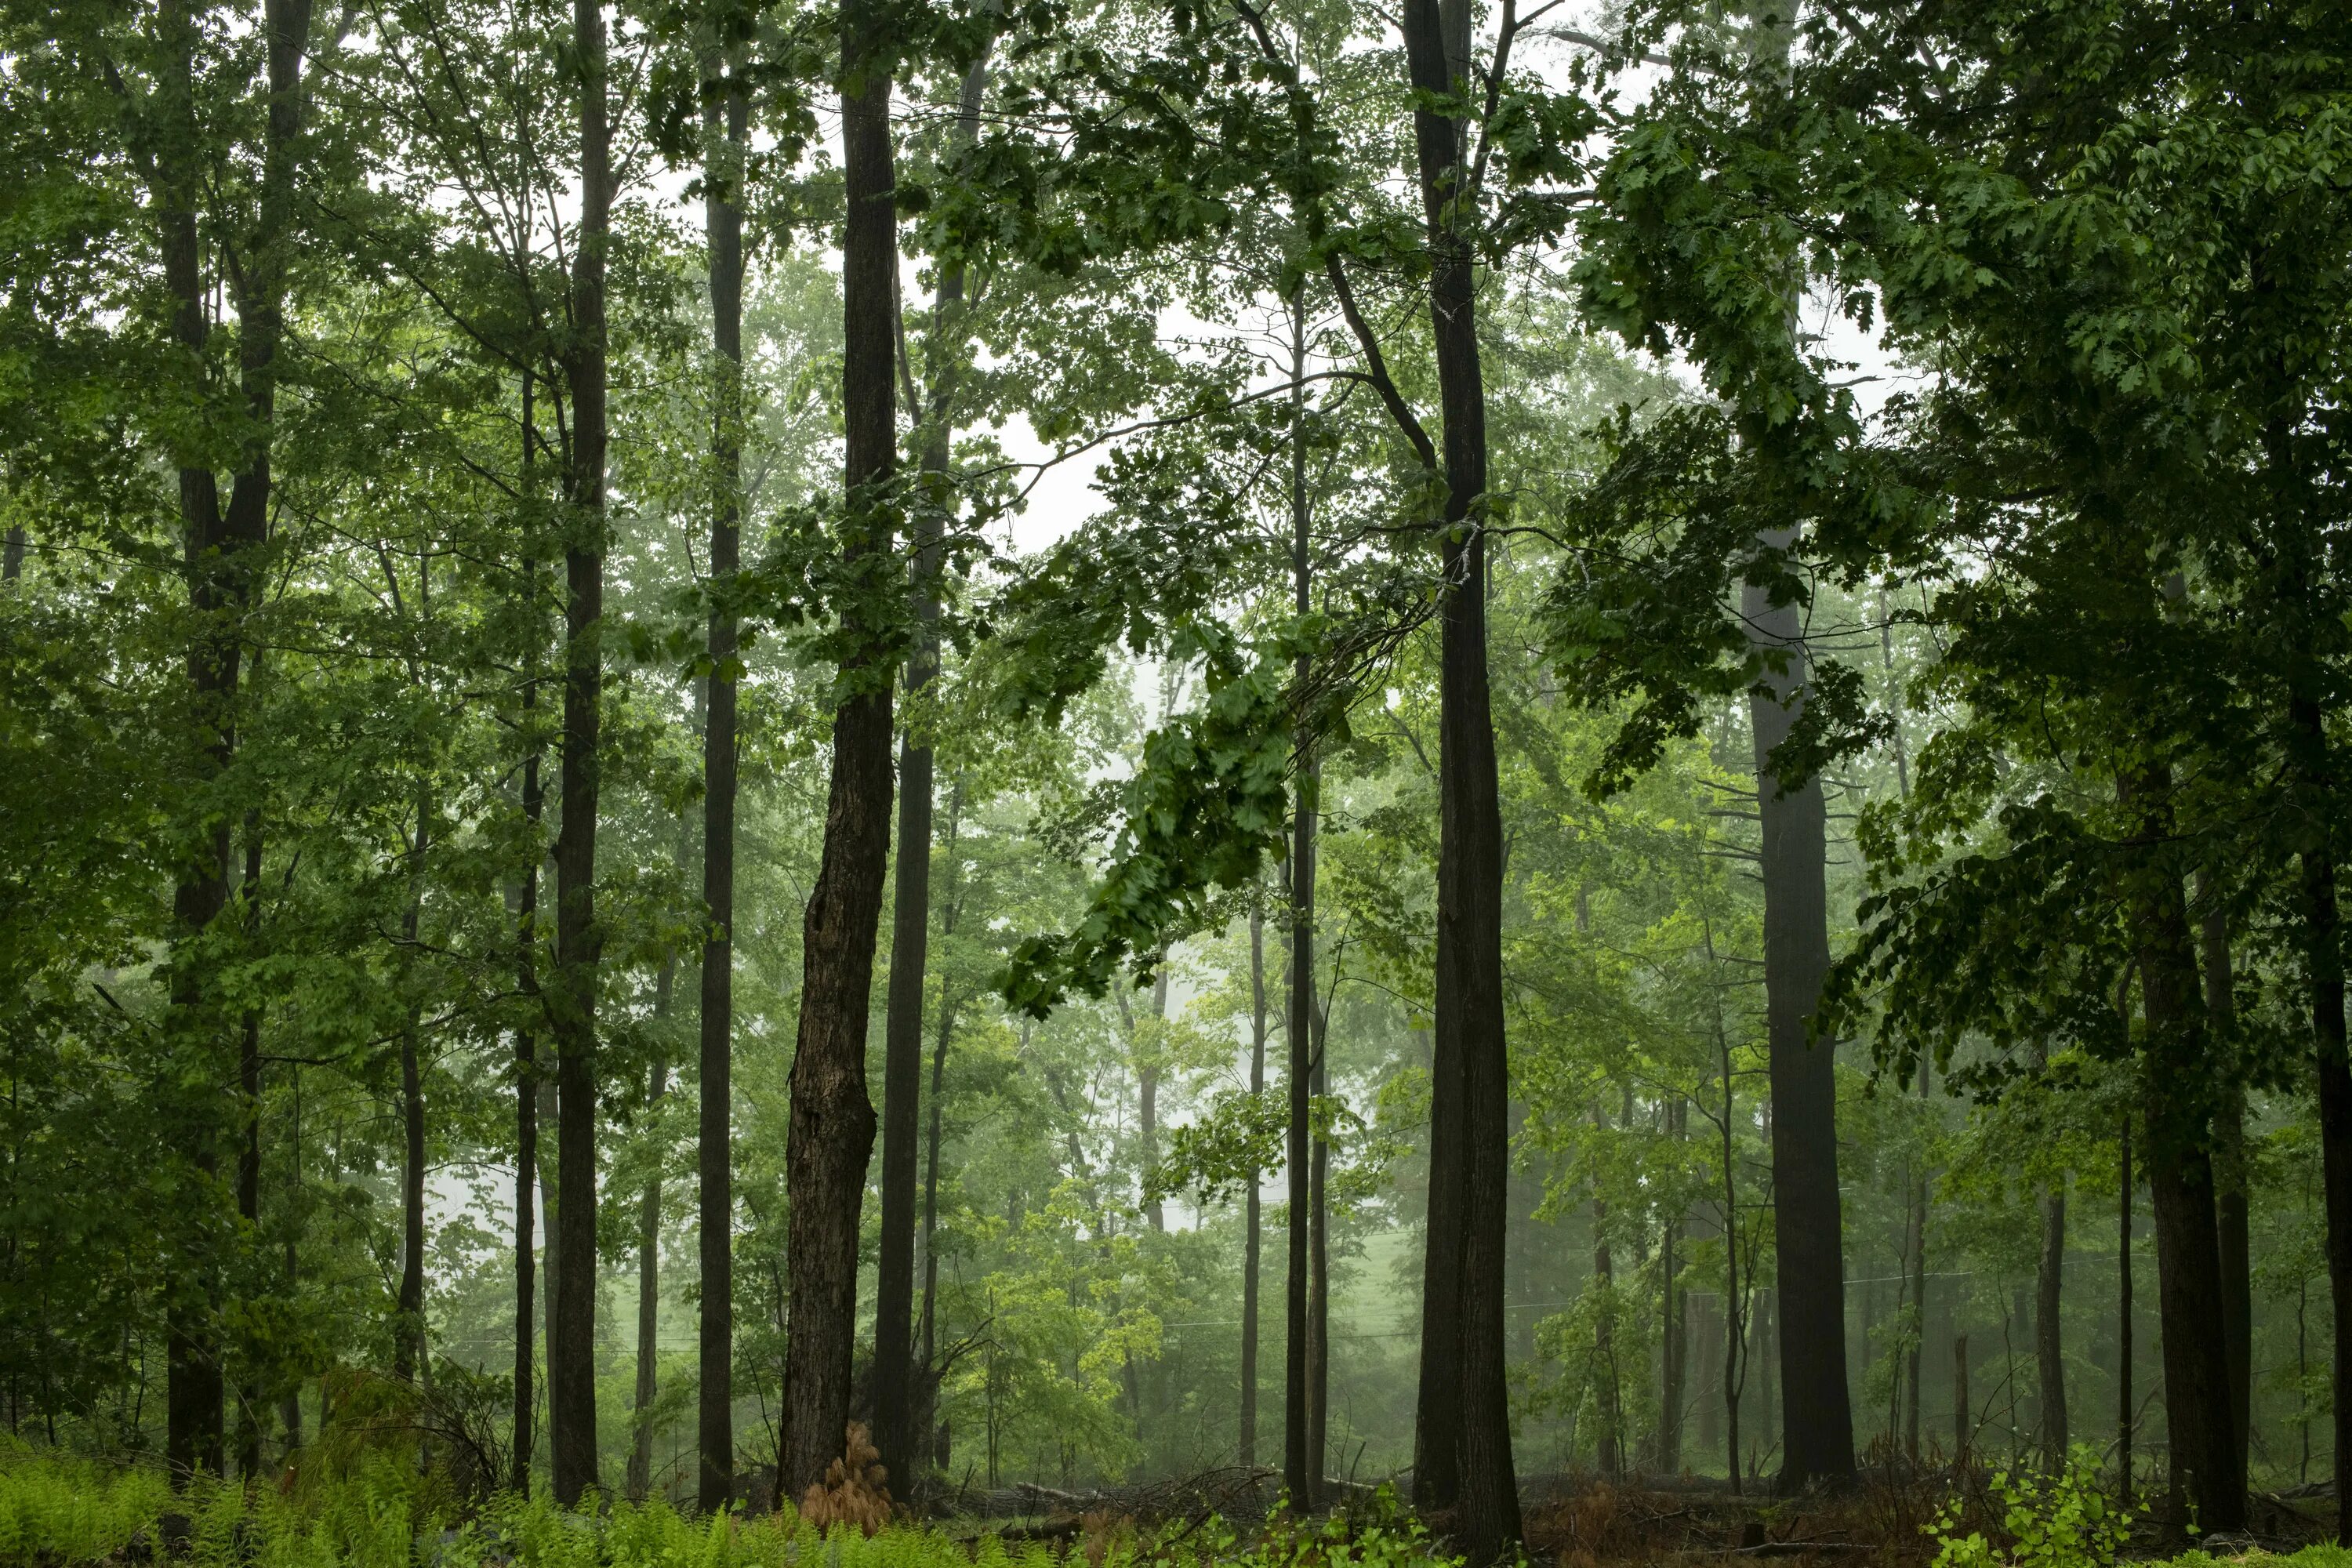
(571, 1347)
(1817, 1425)
(526, 1064)
(1465, 1432)
(2175, 1101)
(722, 216)
(831, 1134)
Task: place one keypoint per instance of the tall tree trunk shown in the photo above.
(639, 1479)
(1299, 1468)
(2174, 1066)
(1253, 1235)
(1817, 1427)
(2324, 969)
(2048, 1344)
(572, 1349)
(894, 1401)
(831, 1134)
(249, 1165)
(408, 1331)
(1674, 1358)
(2124, 1411)
(1608, 1455)
(289, 1399)
(528, 1078)
(1318, 1282)
(1147, 1100)
(1917, 1359)
(218, 544)
(724, 126)
(1464, 1432)
(928, 1369)
(2233, 1235)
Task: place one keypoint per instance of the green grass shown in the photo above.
(62, 1513)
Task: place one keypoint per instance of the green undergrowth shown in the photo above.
(62, 1513)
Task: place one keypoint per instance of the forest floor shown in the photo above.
(1892, 1518)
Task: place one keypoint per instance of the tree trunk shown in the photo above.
(1301, 1028)
(639, 1479)
(572, 1349)
(894, 1401)
(724, 126)
(218, 542)
(1608, 1454)
(1915, 1370)
(528, 1078)
(2123, 1411)
(1817, 1426)
(12, 555)
(1318, 1283)
(1964, 1418)
(1254, 1223)
(2323, 967)
(2174, 1065)
(1471, 1422)
(249, 1165)
(1673, 1357)
(408, 1331)
(289, 1399)
(2047, 1341)
(831, 1134)
(2232, 1233)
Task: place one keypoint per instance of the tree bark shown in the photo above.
(1464, 1434)
(2124, 1411)
(1608, 1454)
(572, 1349)
(831, 1134)
(218, 544)
(526, 1062)
(1253, 1233)
(1914, 1371)
(2048, 1343)
(408, 1331)
(249, 1165)
(724, 128)
(1673, 1360)
(895, 1399)
(2324, 969)
(1299, 1466)
(1817, 1425)
(2233, 1235)
(2174, 1065)
(638, 1482)
(1318, 1284)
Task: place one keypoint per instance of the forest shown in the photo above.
(866, 760)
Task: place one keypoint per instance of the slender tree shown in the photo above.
(571, 1346)
(831, 1134)
(725, 121)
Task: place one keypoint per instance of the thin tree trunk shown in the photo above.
(1464, 1430)
(528, 1084)
(1298, 1465)
(571, 1347)
(218, 545)
(2232, 1230)
(1964, 1424)
(2124, 1411)
(1608, 1454)
(1915, 1370)
(249, 1166)
(1817, 1426)
(408, 1332)
(724, 127)
(1252, 1241)
(2174, 1064)
(831, 1134)
(1674, 1358)
(929, 1372)
(1318, 1282)
(2048, 1346)
(290, 1402)
(2323, 967)
(895, 1399)
(639, 1479)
